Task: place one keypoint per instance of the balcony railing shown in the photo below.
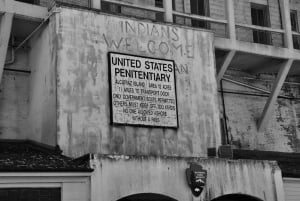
(259, 34)
(218, 26)
(296, 40)
(224, 28)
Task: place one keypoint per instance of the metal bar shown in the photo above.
(149, 8)
(200, 17)
(34, 31)
(260, 28)
(5, 29)
(224, 112)
(246, 85)
(268, 109)
(253, 87)
(17, 70)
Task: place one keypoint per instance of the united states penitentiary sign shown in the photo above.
(143, 91)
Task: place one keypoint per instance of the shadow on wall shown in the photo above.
(147, 197)
(236, 197)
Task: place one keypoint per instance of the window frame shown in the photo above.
(259, 36)
(294, 13)
(206, 9)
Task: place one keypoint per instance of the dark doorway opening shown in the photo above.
(30, 1)
(30, 194)
(236, 197)
(147, 197)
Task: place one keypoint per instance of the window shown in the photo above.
(159, 3)
(260, 17)
(295, 27)
(159, 16)
(110, 8)
(294, 21)
(199, 7)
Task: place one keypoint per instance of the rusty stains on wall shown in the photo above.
(83, 96)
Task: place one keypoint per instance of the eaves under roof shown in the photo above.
(30, 156)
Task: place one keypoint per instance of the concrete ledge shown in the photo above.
(254, 48)
(23, 10)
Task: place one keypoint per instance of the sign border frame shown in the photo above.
(110, 93)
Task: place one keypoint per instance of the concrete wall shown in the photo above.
(14, 98)
(243, 111)
(42, 95)
(116, 177)
(83, 96)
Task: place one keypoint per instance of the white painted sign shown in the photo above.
(143, 91)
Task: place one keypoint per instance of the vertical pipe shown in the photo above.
(224, 112)
(230, 19)
(96, 4)
(168, 10)
(286, 18)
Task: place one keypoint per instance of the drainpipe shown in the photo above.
(224, 113)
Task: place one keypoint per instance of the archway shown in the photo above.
(236, 197)
(147, 197)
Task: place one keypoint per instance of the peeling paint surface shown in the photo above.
(84, 126)
(117, 177)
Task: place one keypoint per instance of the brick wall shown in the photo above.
(243, 112)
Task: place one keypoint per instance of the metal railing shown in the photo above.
(296, 40)
(259, 34)
(225, 28)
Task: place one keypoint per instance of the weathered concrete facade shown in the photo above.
(116, 177)
(66, 102)
(84, 126)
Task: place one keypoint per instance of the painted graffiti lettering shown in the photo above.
(151, 46)
(152, 30)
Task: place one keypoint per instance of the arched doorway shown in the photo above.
(236, 197)
(147, 197)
